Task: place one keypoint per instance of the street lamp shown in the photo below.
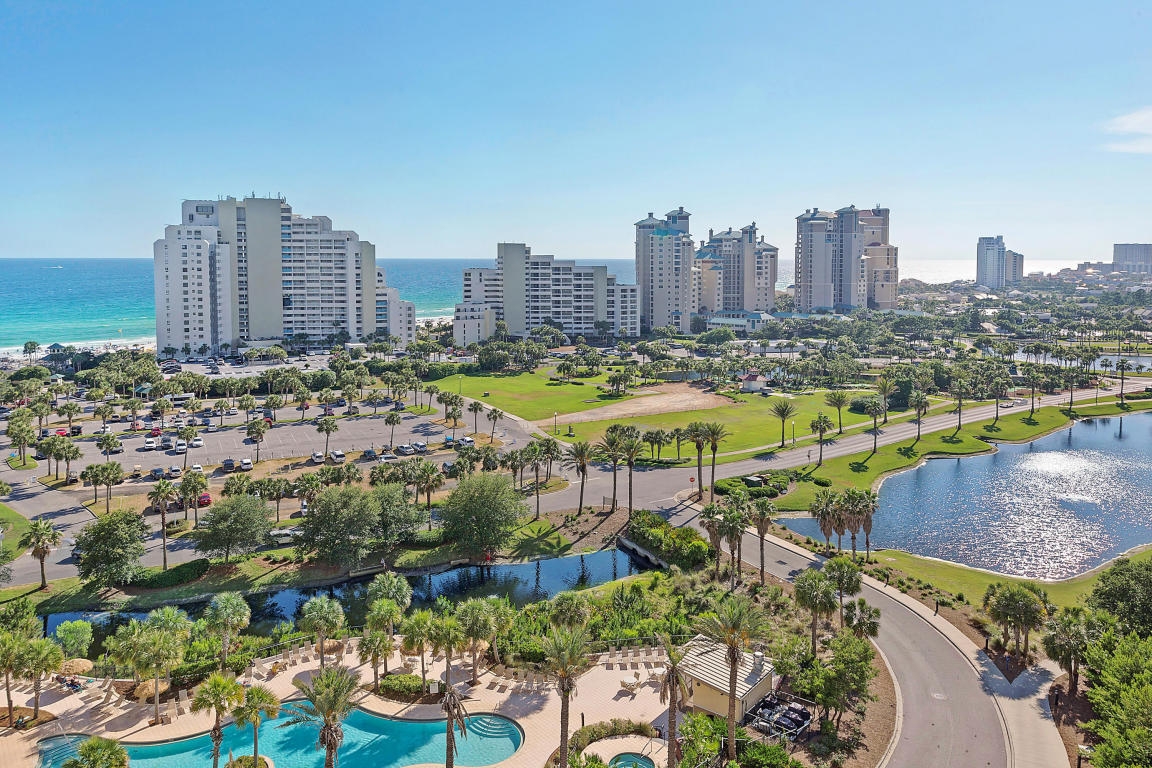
(459, 383)
(793, 433)
(555, 429)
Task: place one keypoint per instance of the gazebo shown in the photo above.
(706, 666)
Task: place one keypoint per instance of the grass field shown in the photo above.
(749, 420)
(14, 526)
(861, 470)
(14, 463)
(970, 582)
(530, 396)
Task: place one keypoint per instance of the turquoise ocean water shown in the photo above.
(83, 301)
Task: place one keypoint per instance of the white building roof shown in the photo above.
(707, 662)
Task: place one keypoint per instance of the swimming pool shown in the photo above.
(631, 760)
(381, 742)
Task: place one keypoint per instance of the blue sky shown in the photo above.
(438, 129)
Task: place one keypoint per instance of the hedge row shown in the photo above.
(683, 547)
(174, 576)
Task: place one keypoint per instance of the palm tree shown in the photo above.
(874, 408)
(455, 716)
(326, 426)
(1123, 365)
(322, 616)
(39, 658)
(160, 647)
(783, 410)
(716, 433)
(959, 390)
(609, 448)
(494, 415)
(867, 505)
(815, 592)
(732, 524)
(674, 689)
(565, 658)
(503, 616)
(107, 443)
(823, 509)
(376, 647)
(534, 458)
(393, 420)
(41, 538)
(761, 517)
(391, 586)
(711, 520)
(447, 637)
(861, 619)
(475, 617)
(98, 752)
(417, 632)
(191, 487)
(820, 425)
(579, 456)
(736, 624)
(696, 433)
(631, 449)
(227, 614)
(259, 702)
(159, 497)
(11, 661)
(845, 575)
(885, 388)
(919, 403)
(219, 695)
(255, 432)
(475, 408)
(328, 698)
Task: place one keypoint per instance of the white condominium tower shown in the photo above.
(996, 266)
(395, 317)
(1132, 257)
(747, 274)
(235, 271)
(528, 290)
(844, 260)
(664, 271)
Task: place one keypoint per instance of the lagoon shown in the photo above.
(1049, 509)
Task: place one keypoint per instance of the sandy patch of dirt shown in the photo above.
(662, 398)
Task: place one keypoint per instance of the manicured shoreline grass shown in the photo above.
(530, 395)
(14, 463)
(971, 582)
(15, 525)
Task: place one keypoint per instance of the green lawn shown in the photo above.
(749, 420)
(14, 463)
(15, 526)
(531, 538)
(530, 396)
(861, 470)
(970, 582)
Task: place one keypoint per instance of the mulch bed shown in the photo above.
(18, 712)
(1071, 713)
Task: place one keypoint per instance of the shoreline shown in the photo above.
(95, 345)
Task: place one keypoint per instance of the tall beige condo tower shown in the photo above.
(664, 264)
(844, 260)
(267, 274)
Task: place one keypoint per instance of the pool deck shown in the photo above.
(536, 709)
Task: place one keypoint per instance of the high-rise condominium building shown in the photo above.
(996, 266)
(664, 271)
(748, 268)
(1132, 257)
(235, 271)
(528, 290)
(394, 316)
(844, 260)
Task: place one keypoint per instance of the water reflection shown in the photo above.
(1049, 509)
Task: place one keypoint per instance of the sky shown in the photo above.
(439, 129)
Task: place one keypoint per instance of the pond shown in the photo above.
(1049, 509)
(522, 583)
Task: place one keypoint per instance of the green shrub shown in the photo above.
(402, 687)
(617, 726)
(683, 547)
(174, 576)
(432, 538)
(761, 755)
(823, 482)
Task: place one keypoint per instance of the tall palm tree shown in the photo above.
(534, 457)
(503, 616)
(849, 506)
(41, 538)
(322, 616)
(219, 695)
(782, 409)
(609, 449)
(227, 614)
(862, 619)
(823, 509)
(38, 659)
(1123, 365)
(674, 690)
(455, 716)
(874, 408)
(711, 520)
(327, 426)
(98, 752)
(259, 702)
(447, 637)
(631, 450)
(11, 661)
(819, 426)
(376, 647)
(328, 698)
(494, 416)
(159, 497)
(815, 593)
(960, 379)
(391, 586)
(565, 658)
(736, 624)
(716, 433)
(732, 524)
(475, 617)
(191, 486)
(696, 433)
(919, 403)
(845, 576)
(392, 420)
(579, 456)
(417, 633)
(761, 517)
(885, 388)
(868, 504)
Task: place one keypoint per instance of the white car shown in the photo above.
(196, 468)
(232, 411)
(337, 456)
(105, 430)
(180, 447)
(211, 428)
(317, 457)
(405, 450)
(386, 457)
(149, 443)
(197, 442)
(245, 465)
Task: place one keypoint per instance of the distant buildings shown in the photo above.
(234, 271)
(664, 271)
(528, 290)
(1134, 258)
(394, 316)
(996, 266)
(844, 260)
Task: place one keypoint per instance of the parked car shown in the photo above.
(369, 455)
(180, 447)
(246, 465)
(211, 427)
(198, 469)
(173, 471)
(149, 444)
(405, 450)
(203, 500)
(466, 441)
(317, 457)
(341, 402)
(205, 422)
(157, 473)
(73, 477)
(228, 465)
(76, 429)
(387, 456)
(105, 430)
(156, 432)
(61, 432)
(167, 441)
(337, 456)
(232, 411)
(420, 447)
(197, 442)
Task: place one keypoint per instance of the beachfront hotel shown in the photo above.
(996, 266)
(845, 260)
(235, 271)
(528, 290)
(395, 317)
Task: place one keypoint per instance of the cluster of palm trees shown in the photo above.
(25, 655)
(846, 512)
(1017, 607)
(726, 522)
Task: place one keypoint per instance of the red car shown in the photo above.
(62, 433)
(156, 432)
(204, 500)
